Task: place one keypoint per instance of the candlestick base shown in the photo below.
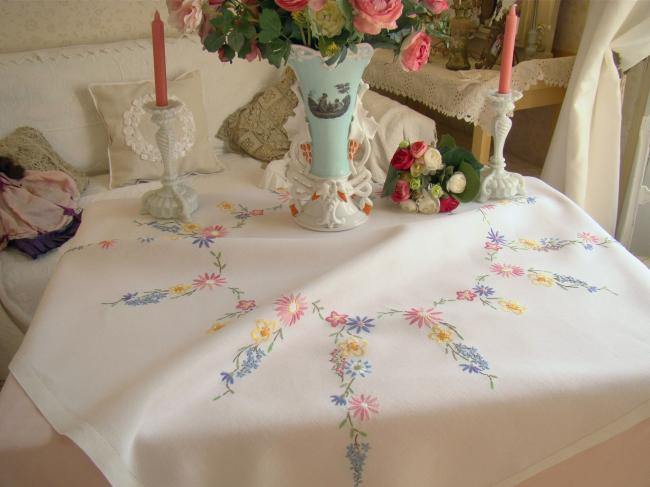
(496, 182)
(174, 200)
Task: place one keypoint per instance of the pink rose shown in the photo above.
(370, 16)
(415, 51)
(292, 5)
(418, 149)
(436, 6)
(254, 54)
(402, 191)
(402, 160)
(185, 15)
(317, 5)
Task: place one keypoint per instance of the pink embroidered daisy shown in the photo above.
(336, 319)
(361, 406)
(465, 295)
(217, 231)
(421, 316)
(507, 270)
(283, 195)
(290, 308)
(588, 237)
(208, 280)
(246, 304)
(107, 244)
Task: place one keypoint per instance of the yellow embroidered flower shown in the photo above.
(179, 289)
(191, 228)
(440, 334)
(225, 205)
(512, 306)
(329, 20)
(263, 330)
(541, 279)
(173, 237)
(354, 347)
(216, 327)
(529, 243)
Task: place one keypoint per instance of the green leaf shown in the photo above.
(457, 155)
(346, 9)
(267, 36)
(473, 183)
(248, 30)
(391, 180)
(214, 41)
(229, 54)
(236, 40)
(270, 20)
(446, 143)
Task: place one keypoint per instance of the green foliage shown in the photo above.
(391, 181)
(473, 180)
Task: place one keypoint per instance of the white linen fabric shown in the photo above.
(583, 160)
(243, 350)
(461, 94)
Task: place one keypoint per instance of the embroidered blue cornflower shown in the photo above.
(588, 246)
(356, 454)
(477, 362)
(359, 324)
(151, 298)
(496, 237)
(146, 240)
(227, 378)
(531, 200)
(357, 367)
(483, 290)
(129, 296)
(569, 280)
(592, 289)
(338, 400)
(203, 241)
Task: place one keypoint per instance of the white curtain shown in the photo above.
(583, 160)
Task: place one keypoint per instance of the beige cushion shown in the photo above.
(257, 128)
(133, 154)
(28, 147)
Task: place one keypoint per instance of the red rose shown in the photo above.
(402, 160)
(448, 204)
(418, 149)
(222, 55)
(402, 191)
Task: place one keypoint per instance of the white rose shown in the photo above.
(409, 205)
(428, 205)
(432, 160)
(456, 183)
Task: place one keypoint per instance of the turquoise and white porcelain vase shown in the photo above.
(330, 193)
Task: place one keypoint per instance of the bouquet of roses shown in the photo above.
(255, 29)
(424, 179)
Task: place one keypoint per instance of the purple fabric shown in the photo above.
(47, 241)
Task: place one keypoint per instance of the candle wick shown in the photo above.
(156, 16)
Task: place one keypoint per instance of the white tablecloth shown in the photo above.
(468, 349)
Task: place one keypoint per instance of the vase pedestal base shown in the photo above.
(348, 216)
(173, 200)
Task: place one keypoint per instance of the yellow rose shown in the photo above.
(329, 20)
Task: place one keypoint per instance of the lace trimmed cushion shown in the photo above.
(132, 150)
(257, 128)
(28, 147)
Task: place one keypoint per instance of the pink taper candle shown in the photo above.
(507, 52)
(159, 68)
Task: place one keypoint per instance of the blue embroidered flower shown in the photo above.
(496, 237)
(252, 361)
(357, 454)
(227, 378)
(483, 290)
(569, 280)
(588, 246)
(146, 240)
(592, 289)
(360, 368)
(151, 298)
(359, 324)
(129, 296)
(203, 241)
(531, 200)
(338, 400)
(476, 361)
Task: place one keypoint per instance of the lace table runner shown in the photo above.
(461, 94)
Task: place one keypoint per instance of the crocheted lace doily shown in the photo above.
(461, 94)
